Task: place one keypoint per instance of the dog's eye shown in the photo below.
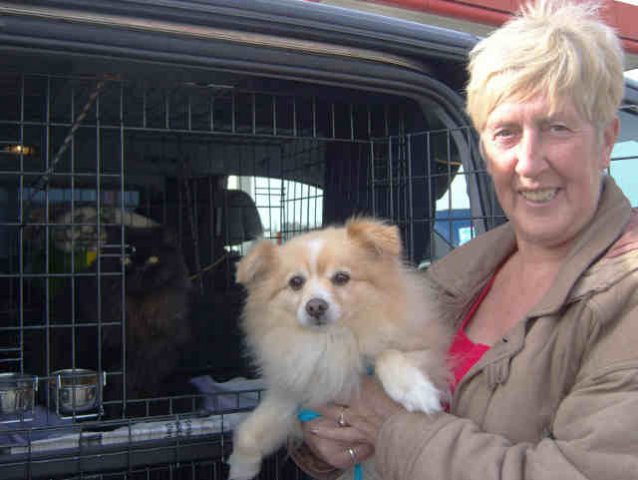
(340, 278)
(296, 282)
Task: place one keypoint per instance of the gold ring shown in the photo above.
(342, 421)
(353, 454)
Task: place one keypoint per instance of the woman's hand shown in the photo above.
(347, 434)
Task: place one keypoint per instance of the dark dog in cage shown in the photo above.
(143, 284)
(156, 300)
(323, 309)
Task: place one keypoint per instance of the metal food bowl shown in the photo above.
(17, 393)
(75, 390)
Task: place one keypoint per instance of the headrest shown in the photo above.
(237, 218)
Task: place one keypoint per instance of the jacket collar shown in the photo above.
(613, 213)
(463, 272)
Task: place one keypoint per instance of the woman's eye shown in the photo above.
(340, 278)
(152, 260)
(296, 282)
(127, 261)
(504, 133)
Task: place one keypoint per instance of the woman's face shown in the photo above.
(546, 169)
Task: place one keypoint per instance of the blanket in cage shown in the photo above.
(182, 428)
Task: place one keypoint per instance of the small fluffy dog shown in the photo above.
(321, 311)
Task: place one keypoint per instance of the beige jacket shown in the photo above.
(557, 398)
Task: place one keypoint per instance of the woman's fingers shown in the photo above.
(355, 454)
(345, 433)
(357, 428)
(367, 422)
(338, 453)
(335, 412)
(328, 430)
(335, 444)
(339, 434)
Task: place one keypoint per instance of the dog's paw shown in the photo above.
(243, 467)
(406, 384)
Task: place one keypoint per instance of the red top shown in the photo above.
(463, 352)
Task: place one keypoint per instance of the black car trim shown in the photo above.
(207, 33)
(305, 20)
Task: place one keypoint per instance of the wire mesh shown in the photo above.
(89, 165)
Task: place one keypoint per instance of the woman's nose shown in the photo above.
(530, 154)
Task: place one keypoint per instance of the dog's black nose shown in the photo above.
(316, 307)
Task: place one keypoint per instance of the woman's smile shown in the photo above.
(540, 196)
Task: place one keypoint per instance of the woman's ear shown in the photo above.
(610, 134)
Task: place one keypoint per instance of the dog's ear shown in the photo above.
(256, 262)
(379, 237)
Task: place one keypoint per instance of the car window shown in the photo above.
(453, 222)
(286, 207)
(624, 157)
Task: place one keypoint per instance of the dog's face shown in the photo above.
(330, 278)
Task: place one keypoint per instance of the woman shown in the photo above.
(546, 306)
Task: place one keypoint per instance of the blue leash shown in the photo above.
(305, 415)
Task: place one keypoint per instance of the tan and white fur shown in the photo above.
(323, 308)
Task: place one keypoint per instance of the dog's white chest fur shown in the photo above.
(319, 367)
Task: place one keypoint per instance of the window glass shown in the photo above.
(453, 222)
(624, 157)
(286, 208)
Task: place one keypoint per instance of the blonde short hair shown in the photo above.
(556, 48)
